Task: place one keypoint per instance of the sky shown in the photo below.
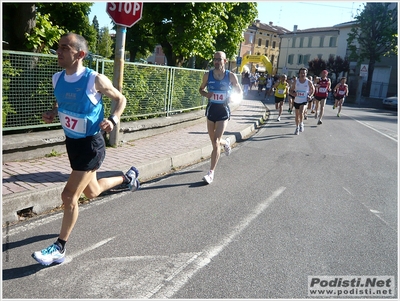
(307, 14)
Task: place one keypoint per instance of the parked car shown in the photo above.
(390, 102)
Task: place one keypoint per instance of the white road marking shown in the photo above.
(176, 281)
(372, 128)
(373, 211)
(48, 219)
(69, 258)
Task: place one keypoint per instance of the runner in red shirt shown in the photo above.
(340, 91)
(322, 88)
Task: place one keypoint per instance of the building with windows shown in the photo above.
(300, 46)
(157, 57)
(262, 39)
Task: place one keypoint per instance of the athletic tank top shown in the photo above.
(302, 90)
(322, 90)
(80, 113)
(280, 90)
(341, 91)
(221, 88)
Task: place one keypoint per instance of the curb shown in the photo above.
(46, 199)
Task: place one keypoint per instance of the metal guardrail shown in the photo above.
(150, 90)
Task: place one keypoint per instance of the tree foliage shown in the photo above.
(337, 65)
(334, 65)
(72, 17)
(375, 34)
(44, 35)
(105, 43)
(18, 19)
(316, 66)
(189, 29)
(38, 26)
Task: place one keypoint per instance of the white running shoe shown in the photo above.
(301, 128)
(296, 132)
(279, 118)
(227, 146)
(133, 174)
(209, 177)
(49, 255)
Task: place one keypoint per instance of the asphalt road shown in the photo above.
(281, 208)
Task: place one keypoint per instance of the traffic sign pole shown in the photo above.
(124, 14)
(118, 77)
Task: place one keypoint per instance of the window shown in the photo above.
(309, 42)
(300, 59)
(306, 59)
(332, 42)
(266, 43)
(290, 59)
(259, 42)
(273, 44)
(251, 39)
(272, 59)
(301, 42)
(293, 42)
(319, 56)
(321, 42)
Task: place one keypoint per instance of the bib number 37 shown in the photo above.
(72, 123)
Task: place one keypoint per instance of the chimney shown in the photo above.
(270, 23)
(257, 22)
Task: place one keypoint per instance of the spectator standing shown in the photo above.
(268, 86)
(246, 84)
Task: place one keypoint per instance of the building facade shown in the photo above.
(262, 39)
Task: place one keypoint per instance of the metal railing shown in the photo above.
(150, 90)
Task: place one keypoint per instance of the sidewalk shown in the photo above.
(37, 184)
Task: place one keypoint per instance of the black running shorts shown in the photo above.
(297, 105)
(217, 112)
(86, 154)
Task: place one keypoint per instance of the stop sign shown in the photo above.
(125, 13)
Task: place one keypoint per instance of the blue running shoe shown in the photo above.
(133, 174)
(50, 255)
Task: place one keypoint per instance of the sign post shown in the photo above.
(124, 14)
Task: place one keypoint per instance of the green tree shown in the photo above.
(96, 26)
(44, 35)
(18, 19)
(105, 48)
(316, 66)
(375, 33)
(72, 17)
(139, 38)
(337, 65)
(190, 29)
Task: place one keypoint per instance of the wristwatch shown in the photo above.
(114, 119)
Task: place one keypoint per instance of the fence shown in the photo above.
(150, 90)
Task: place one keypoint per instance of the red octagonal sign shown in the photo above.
(125, 13)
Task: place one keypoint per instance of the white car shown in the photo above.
(390, 102)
